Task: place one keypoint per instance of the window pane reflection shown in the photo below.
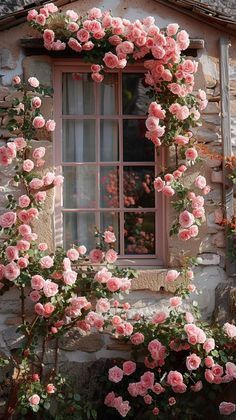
(79, 187)
(139, 233)
(136, 147)
(78, 141)
(135, 100)
(138, 186)
(79, 229)
(77, 94)
(108, 94)
(109, 141)
(109, 186)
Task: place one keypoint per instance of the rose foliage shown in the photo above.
(175, 357)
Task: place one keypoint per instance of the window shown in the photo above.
(108, 164)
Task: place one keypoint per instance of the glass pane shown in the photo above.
(111, 221)
(136, 147)
(139, 233)
(108, 95)
(109, 186)
(77, 94)
(79, 187)
(138, 186)
(109, 141)
(79, 229)
(78, 141)
(135, 100)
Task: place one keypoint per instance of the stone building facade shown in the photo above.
(149, 290)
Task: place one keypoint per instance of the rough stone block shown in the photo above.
(208, 259)
(40, 67)
(219, 239)
(217, 177)
(225, 299)
(6, 59)
(12, 339)
(74, 340)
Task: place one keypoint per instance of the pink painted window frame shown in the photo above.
(159, 258)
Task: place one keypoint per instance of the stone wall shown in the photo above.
(149, 291)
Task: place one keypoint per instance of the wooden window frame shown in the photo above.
(161, 238)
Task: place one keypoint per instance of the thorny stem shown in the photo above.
(42, 357)
(22, 296)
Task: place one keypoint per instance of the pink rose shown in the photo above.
(74, 45)
(109, 237)
(34, 296)
(58, 180)
(50, 388)
(174, 378)
(50, 288)
(50, 125)
(28, 165)
(69, 277)
(209, 345)
(197, 386)
(72, 254)
(38, 153)
(159, 318)
(46, 262)
(40, 196)
(129, 367)
(41, 20)
(22, 262)
(37, 282)
(172, 29)
(20, 143)
(137, 338)
(34, 399)
(175, 301)
(39, 309)
(24, 201)
(24, 229)
(115, 374)
(186, 219)
(113, 284)
(158, 184)
(8, 219)
(209, 362)
(11, 271)
(33, 81)
(152, 123)
(168, 191)
(181, 140)
(38, 122)
(82, 250)
(193, 362)
(147, 380)
(72, 27)
(11, 253)
(96, 255)
(48, 309)
(16, 80)
(48, 36)
(94, 13)
(191, 154)
(110, 60)
(230, 369)
(228, 328)
(111, 256)
(171, 276)
(227, 408)
(193, 231)
(183, 39)
(200, 182)
(36, 102)
(83, 35)
(97, 77)
(103, 305)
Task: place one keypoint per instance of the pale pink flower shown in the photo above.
(159, 318)
(96, 255)
(24, 201)
(113, 284)
(41, 20)
(172, 29)
(22, 262)
(137, 338)
(115, 374)
(20, 143)
(129, 367)
(147, 380)
(12, 253)
(175, 301)
(11, 271)
(158, 184)
(24, 229)
(197, 386)
(39, 309)
(48, 309)
(38, 122)
(39, 152)
(97, 77)
(72, 254)
(37, 282)
(50, 288)
(209, 362)
(16, 80)
(40, 196)
(33, 81)
(34, 399)
(184, 234)
(103, 275)
(48, 36)
(152, 123)
(174, 378)
(191, 154)
(94, 13)
(50, 125)
(193, 230)
(103, 305)
(28, 165)
(200, 182)
(227, 408)
(50, 389)
(230, 329)
(69, 277)
(8, 219)
(171, 276)
(209, 345)
(193, 362)
(186, 219)
(46, 262)
(72, 27)
(109, 237)
(111, 256)
(34, 296)
(111, 60)
(168, 191)
(58, 180)
(82, 250)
